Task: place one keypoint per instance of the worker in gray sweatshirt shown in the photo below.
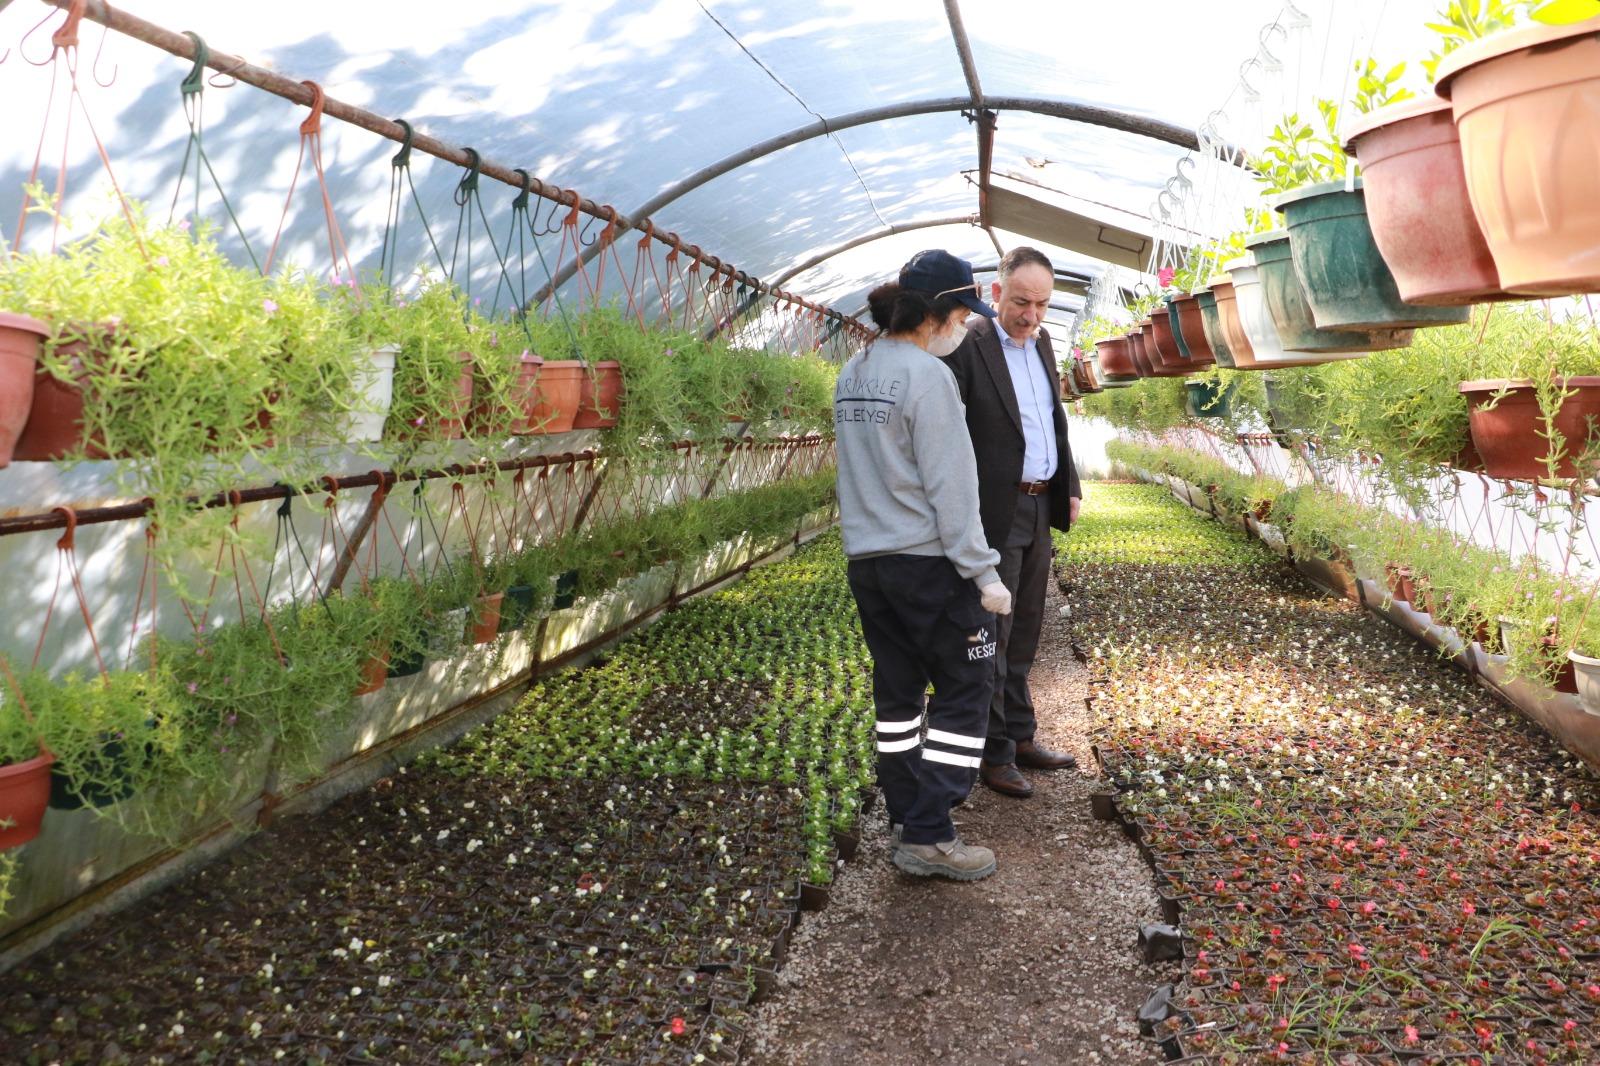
(922, 574)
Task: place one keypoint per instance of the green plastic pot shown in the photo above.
(1341, 271)
(1211, 322)
(517, 608)
(1291, 313)
(1177, 329)
(1207, 399)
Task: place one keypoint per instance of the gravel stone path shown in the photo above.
(1037, 964)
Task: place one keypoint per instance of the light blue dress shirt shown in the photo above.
(1035, 403)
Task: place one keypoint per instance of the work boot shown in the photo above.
(896, 829)
(952, 859)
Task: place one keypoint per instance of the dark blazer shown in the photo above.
(996, 428)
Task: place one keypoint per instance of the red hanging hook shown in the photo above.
(313, 122)
(68, 541)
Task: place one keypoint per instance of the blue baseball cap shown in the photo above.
(938, 273)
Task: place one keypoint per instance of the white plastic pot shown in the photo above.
(1587, 671)
(1256, 319)
(374, 384)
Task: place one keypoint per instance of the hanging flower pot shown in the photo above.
(1507, 426)
(1244, 357)
(453, 420)
(374, 384)
(1207, 399)
(1341, 272)
(602, 392)
(1211, 326)
(21, 340)
(1191, 329)
(554, 405)
(55, 427)
(1176, 329)
(1250, 304)
(1141, 360)
(1527, 109)
(1418, 207)
(374, 672)
(565, 589)
(517, 608)
(1159, 334)
(1291, 313)
(484, 624)
(24, 794)
(1116, 358)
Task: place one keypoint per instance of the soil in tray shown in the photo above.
(1358, 836)
(420, 920)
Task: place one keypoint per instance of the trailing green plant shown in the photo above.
(430, 325)
(1300, 153)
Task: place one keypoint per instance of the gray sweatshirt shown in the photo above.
(908, 483)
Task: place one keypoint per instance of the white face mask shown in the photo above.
(943, 346)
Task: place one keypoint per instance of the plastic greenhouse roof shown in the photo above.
(621, 98)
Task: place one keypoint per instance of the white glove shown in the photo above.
(996, 598)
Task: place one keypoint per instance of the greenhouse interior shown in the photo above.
(713, 531)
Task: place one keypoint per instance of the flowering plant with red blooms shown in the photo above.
(1370, 860)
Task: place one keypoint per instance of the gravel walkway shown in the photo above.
(1036, 964)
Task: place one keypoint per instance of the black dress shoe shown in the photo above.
(1005, 779)
(1033, 757)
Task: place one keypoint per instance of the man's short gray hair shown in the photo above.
(1021, 256)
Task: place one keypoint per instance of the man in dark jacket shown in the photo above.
(1006, 372)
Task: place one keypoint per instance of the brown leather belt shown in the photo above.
(1033, 488)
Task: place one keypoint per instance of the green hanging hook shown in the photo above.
(468, 186)
(402, 158)
(195, 81)
(521, 202)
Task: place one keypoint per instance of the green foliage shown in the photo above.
(1143, 524)
(1464, 21)
(1375, 89)
(1299, 153)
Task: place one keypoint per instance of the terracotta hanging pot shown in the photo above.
(1418, 207)
(453, 424)
(483, 625)
(374, 673)
(1211, 326)
(1140, 358)
(1341, 271)
(602, 393)
(1244, 357)
(1192, 330)
(55, 427)
(21, 341)
(1116, 358)
(1527, 109)
(1250, 306)
(24, 795)
(1159, 334)
(525, 394)
(1508, 433)
(1402, 585)
(1291, 313)
(554, 405)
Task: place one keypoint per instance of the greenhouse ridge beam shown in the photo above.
(980, 115)
(1064, 109)
(301, 93)
(867, 238)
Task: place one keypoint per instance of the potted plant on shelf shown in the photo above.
(369, 317)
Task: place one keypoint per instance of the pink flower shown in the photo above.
(1412, 1036)
(161, 260)
(1165, 275)
(1468, 909)
(184, 225)
(269, 306)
